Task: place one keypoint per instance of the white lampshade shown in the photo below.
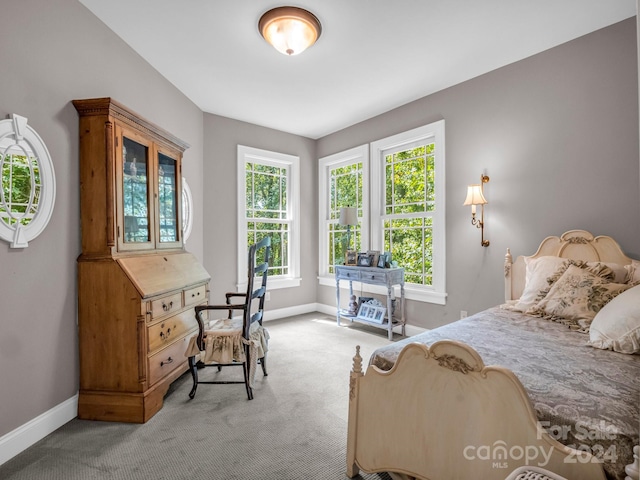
(348, 216)
(475, 196)
(290, 30)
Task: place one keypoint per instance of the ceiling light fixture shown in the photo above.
(290, 30)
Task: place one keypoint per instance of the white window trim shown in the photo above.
(16, 132)
(437, 292)
(353, 155)
(256, 155)
(187, 210)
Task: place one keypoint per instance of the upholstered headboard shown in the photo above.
(574, 244)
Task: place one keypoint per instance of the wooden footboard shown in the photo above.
(440, 414)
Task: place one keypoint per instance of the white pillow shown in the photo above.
(537, 272)
(617, 326)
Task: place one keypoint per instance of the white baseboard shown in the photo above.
(328, 309)
(36, 429)
(291, 311)
(412, 330)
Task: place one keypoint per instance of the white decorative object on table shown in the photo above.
(353, 306)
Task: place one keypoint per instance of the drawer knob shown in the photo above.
(164, 336)
(169, 360)
(166, 307)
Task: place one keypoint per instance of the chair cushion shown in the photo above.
(224, 343)
(224, 327)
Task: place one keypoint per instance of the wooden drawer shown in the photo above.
(167, 360)
(195, 295)
(374, 277)
(166, 305)
(166, 331)
(348, 274)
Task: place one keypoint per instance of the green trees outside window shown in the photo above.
(168, 198)
(21, 189)
(407, 207)
(266, 212)
(409, 201)
(345, 184)
(135, 191)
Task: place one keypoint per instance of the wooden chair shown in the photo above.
(235, 341)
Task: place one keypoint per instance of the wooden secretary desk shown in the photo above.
(137, 285)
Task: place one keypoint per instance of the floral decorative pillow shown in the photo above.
(599, 269)
(576, 297)
(618, 272)
(617, 326)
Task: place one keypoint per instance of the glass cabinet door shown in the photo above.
(168, 220)
(135, 193)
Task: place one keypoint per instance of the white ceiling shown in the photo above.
(372, 56)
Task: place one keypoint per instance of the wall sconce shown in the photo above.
(348, 217)
(476, 197)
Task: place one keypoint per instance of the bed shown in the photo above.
(504, 389)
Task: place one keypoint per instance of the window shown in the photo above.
(28, 182)
(400, 207)
(187, 210)
(268, 205)
(168, 198)
(343, 180)
(407, 214)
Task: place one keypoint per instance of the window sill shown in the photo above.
(275, 283)
(411, 292)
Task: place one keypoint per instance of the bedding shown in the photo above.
(585, 397)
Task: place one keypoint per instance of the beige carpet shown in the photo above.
(295, 428)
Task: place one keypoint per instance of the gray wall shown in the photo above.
(51, 52)
(558, 135)
(222, 136)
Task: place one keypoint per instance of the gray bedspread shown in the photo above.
(585, 397)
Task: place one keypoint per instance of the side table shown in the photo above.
(388, 277)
